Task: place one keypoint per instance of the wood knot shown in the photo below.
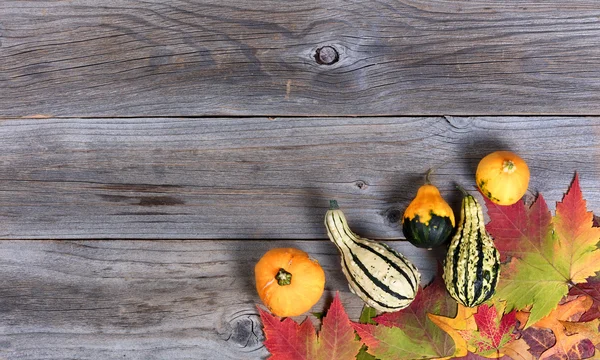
(361, 185)
(243, 329)
(393, 216)
(327, 55)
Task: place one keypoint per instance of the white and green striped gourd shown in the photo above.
(472, 264)
(383, 278)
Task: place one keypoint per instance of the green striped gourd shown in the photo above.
(472, 264)
(383, 278)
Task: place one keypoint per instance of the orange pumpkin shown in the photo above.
(502, 177)
(288, 281)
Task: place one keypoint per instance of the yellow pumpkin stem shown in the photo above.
(508, 166)
(283, 277)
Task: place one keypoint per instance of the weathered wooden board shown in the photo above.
(263, 178)
(229, 57)
(146, 299)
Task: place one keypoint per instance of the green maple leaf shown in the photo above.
(545, 254)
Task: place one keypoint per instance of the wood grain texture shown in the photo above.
(262, 178)
(147, 299)
(226, 57)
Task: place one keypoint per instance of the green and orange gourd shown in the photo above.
(428, 221)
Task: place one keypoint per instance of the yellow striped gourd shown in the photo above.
(383, 278)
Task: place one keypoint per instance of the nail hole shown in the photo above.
(327, 55)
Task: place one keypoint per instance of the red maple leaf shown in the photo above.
(287, 340)
(409, 333)
(546, 254)
(493, 334)
(517, 229)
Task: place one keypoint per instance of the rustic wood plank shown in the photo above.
(147, 299)
(263, 178)
(226, 57)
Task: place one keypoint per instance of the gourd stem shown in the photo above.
(462, 190)
(333, 205)
(427, 176)
(283, 277)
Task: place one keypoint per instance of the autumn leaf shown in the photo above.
(364, 355)
(518, 230)
(559, 335)
(546, 254)
(518, 350)
(537, 340)
(571, 310)
(573, 225)
(590, 288)
(472, 356)
(589, 330)
(287, 340)
(367, 315)
(457, 327)
(481, 330)
(494, 330)
(409, 333)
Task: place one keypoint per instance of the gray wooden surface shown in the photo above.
(230, 57)
(159, 148)
(220, 178)
(147, 300)
(262, 178)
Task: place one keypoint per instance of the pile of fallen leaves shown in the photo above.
(547, 303)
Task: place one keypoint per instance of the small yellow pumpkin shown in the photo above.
(288, 281)
(502, 177)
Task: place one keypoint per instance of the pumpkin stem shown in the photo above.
(508, 166)
(427, 176)
(283, 277)
(333, 205)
